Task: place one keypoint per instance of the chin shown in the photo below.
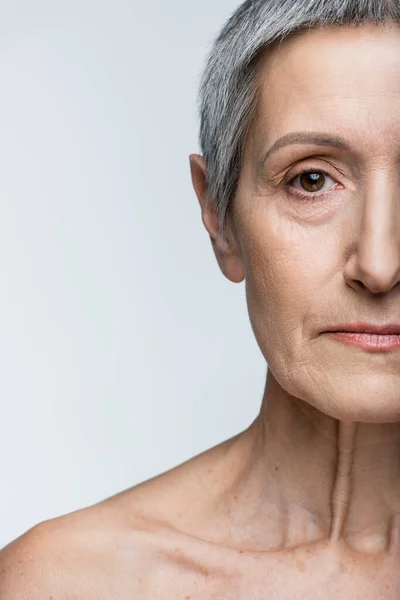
(373, 400)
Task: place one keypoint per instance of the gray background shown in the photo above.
(123, 349)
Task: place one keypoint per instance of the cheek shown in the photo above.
(286, 278)
(275, 297)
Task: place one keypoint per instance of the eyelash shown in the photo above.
(308, 196)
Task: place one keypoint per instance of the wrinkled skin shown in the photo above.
(305, 502)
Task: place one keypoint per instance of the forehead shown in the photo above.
(337, 79)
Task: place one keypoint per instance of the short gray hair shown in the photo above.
(228, 96)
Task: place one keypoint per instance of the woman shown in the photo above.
(299, 188)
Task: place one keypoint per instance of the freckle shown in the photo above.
(241, 551)
(300, 565)
(276, 468)
(235, 497)
(187, 597)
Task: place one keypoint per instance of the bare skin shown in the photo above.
(305, 503)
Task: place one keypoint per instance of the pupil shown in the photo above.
(312, 182)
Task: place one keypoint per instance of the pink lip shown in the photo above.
(368, 341)
(369, 336)
(389, 328)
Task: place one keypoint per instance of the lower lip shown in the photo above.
(368, 341)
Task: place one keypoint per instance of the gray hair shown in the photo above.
(228, 96)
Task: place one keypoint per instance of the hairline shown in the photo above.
(229, 95)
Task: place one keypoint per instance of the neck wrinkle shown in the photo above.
(344, 474)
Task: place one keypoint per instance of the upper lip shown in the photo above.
(389, 328)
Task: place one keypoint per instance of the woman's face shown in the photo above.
(315, 261)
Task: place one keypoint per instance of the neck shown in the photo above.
(323, 478)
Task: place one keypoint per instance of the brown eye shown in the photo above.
(309, 184)
(312, 181)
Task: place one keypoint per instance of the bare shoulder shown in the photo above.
(178, 497)
(28, 564)
(122, 546)
(83, 554)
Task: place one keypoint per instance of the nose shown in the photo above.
(374, 265)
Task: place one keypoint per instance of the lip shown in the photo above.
(387, 329)
(369, 336)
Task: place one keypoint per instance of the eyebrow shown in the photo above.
(304, 137)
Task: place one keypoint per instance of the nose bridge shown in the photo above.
(378, 245)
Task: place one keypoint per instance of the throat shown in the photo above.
(366, 542)
(312, 478)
